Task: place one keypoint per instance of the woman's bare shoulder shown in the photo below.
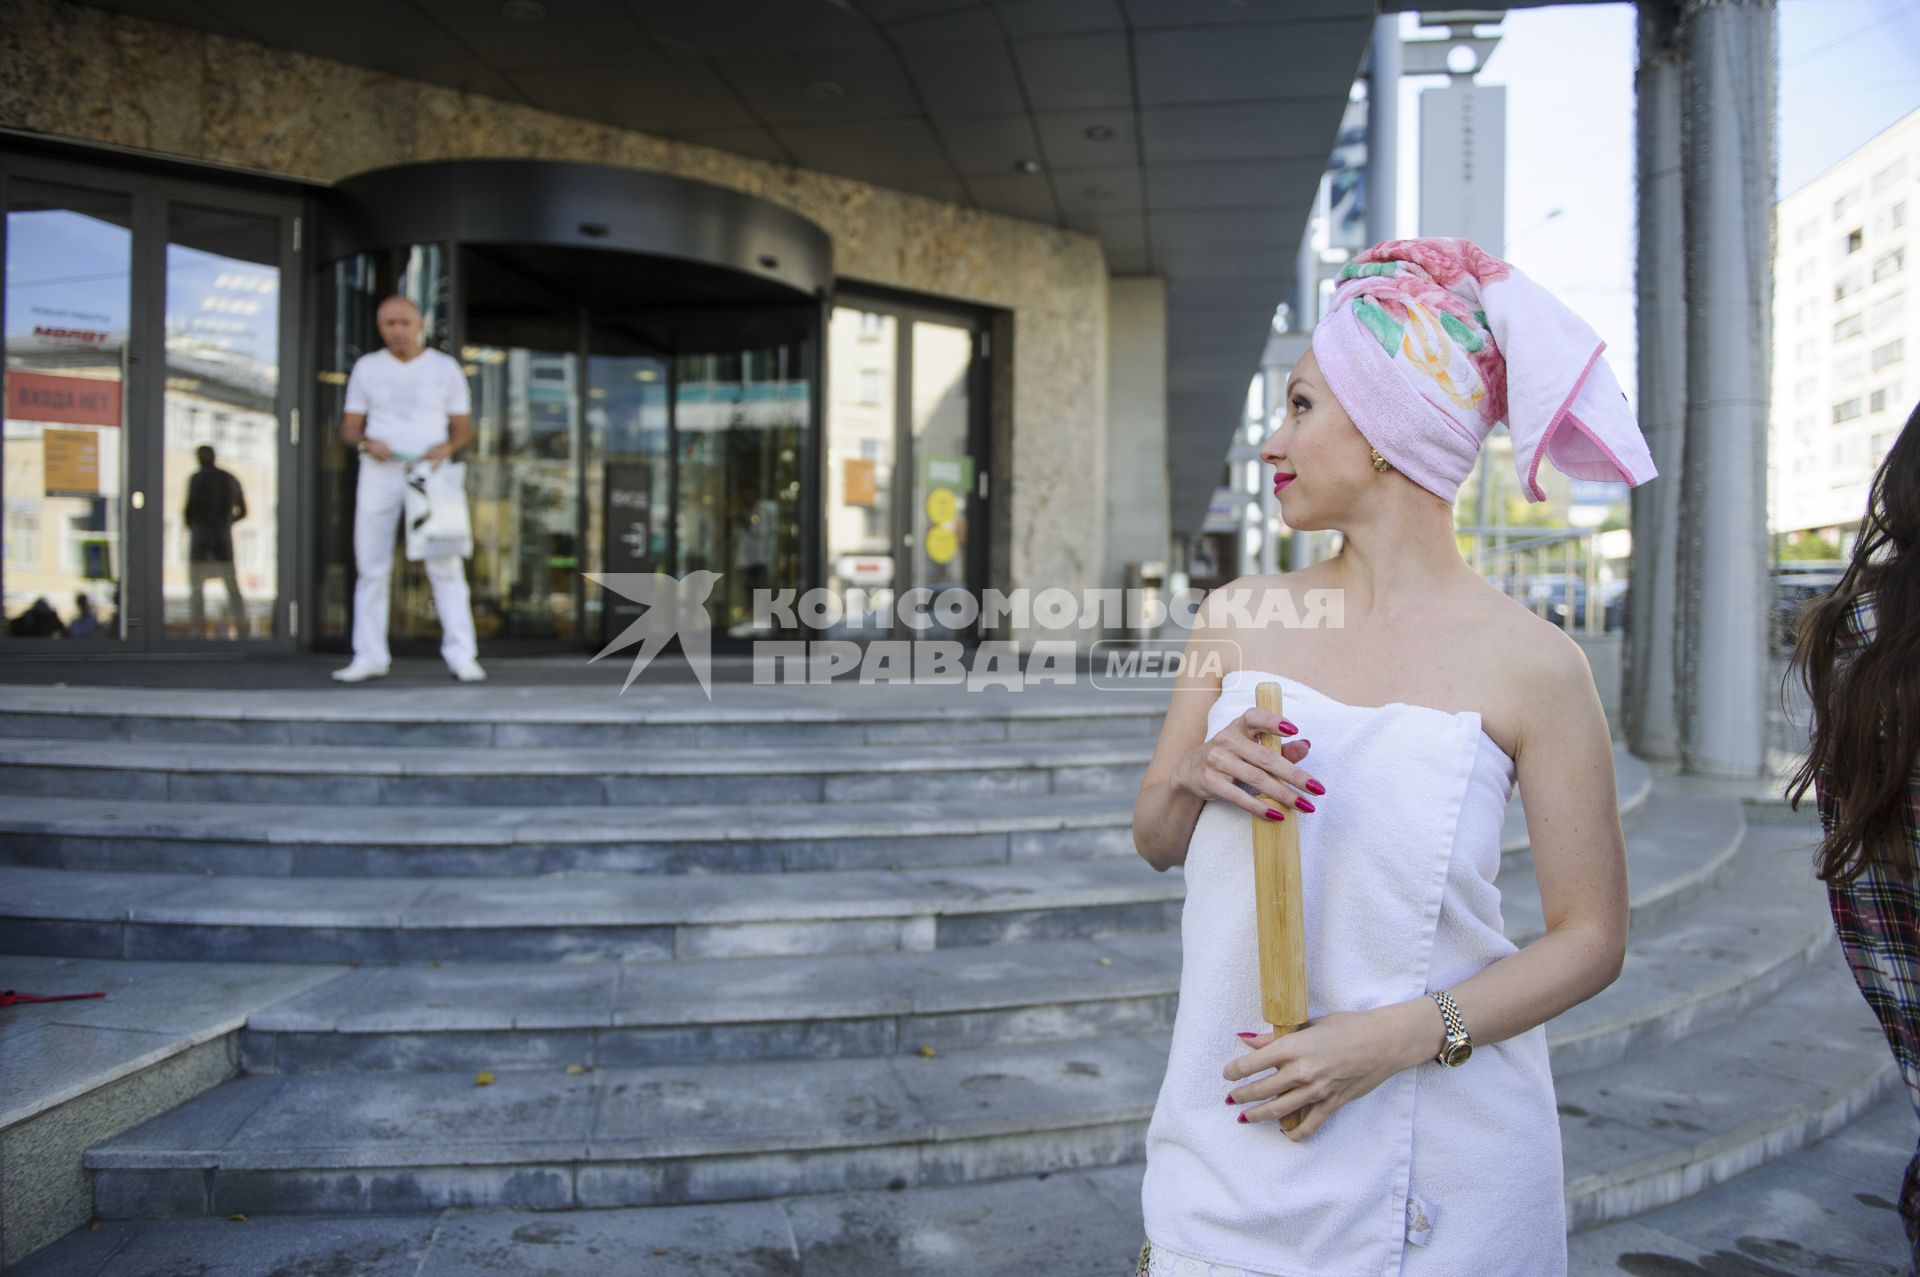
(1536, 658)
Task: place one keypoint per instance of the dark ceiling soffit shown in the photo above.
(576, 206)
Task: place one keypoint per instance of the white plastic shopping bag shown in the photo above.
(436, 511)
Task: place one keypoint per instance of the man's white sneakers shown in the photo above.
(469, 672)
(359, 672)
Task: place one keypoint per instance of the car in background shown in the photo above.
(1794, 586)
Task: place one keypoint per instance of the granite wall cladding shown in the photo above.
(74, 72)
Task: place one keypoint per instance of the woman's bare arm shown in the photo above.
(1565, 766)
(1188, 770)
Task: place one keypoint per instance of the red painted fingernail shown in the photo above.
(1288, 728)
(1315, 787)
(1274, 815)
(1243, 1117)
(1303, 804)
(1229, 1099)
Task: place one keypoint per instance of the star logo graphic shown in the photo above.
(674, 605)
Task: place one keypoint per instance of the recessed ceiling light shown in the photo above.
(825, 91)
(1099, 133)
(1027, 166)
(523, 11)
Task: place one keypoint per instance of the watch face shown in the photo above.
(1457, 1054)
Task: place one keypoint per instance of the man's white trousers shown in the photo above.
(379, 502)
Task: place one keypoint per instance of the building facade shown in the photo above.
(681, 356)
(1847, 332)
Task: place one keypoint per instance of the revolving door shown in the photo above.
(643, 357)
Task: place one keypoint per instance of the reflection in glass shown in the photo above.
(740, 423)
(943, 480)
(520, 476)
(222, 425)
(627, 480)
(861, 423)
(67, 276)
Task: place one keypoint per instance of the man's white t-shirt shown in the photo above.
(407, 404)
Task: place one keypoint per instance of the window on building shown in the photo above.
(1882, 442)
(1849, 326)
(1847, 285)
(1852, 366)
(1877, 401)
(1846, 410)
(23, 535)
(1891, 353)
(1806, 232)
(1897, 216)
(1887, 313)
(1856, 240)
(1886, 178)
(1889, 264)
(1846, 203)
(870, 385)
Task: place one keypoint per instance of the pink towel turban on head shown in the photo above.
(1430, 343)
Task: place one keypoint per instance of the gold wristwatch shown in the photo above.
(1458, 1045)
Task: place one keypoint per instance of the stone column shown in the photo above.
(1383, 128)
(1648, 696)
(1727, 159)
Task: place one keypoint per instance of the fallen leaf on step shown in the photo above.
(1106, 962)
(929, 1052)
(485, 1079)
(575, 1070)
(236, 1218)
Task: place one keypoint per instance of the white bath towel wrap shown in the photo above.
(1437, 1171)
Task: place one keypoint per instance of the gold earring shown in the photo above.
(1380, 463)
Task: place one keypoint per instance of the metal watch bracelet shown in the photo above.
(1459, 1045)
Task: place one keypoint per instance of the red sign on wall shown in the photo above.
(76, 401)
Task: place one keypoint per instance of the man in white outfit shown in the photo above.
(404, 402)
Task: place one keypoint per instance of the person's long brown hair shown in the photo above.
(1866, 712)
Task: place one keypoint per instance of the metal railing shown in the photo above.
(1557, 573)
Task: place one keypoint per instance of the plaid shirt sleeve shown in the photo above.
(1877, 917)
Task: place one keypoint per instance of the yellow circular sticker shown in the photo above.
(942, 545)
(941, 507)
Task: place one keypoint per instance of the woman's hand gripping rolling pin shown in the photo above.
(1221, 768)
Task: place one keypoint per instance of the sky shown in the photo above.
(1847, 70)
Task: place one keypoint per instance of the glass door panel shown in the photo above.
(862, 429)
(943, 482)
(628, 485)
(222, 426)
(523, 490)
(740, 424)
(68, 279)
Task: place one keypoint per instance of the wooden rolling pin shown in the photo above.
(1276, 885)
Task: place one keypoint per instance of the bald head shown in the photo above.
(399, 322)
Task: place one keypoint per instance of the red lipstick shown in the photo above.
(1281, 480)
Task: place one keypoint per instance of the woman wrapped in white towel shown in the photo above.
(1415, 696)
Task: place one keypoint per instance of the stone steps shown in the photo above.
(1815, 1212)
(1741, 944)
(1638, 1134)
(388, 775)
(627, 916)
(309, 841)
(669, 718)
